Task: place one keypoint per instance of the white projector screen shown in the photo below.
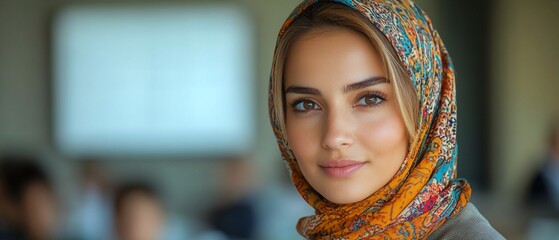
(171, 79)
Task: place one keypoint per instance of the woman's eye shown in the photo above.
(370, 100)
(305, 105)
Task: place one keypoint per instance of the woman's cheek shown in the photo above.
(303, 136)
(384, 135)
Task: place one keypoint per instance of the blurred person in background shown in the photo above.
(10, 217)
(235, 213)
(280, 206)
(543, 191)
(27, 194)
(91, 217)
(139, 213)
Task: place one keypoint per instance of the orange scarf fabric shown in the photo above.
(425, 192)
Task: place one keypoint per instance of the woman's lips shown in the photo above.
(341, 168)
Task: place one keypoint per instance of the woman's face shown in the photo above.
(342, 119)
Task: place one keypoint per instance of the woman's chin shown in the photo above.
(346, 195)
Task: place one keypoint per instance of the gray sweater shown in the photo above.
(467, 224)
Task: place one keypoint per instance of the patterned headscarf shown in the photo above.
(425, 192)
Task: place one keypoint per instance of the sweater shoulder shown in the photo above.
(467, 224)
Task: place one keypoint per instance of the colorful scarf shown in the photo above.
(425, 192)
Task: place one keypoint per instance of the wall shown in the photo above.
(524, 89)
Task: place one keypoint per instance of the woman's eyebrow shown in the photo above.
(365, 83)
(351, 87)
(302, 90)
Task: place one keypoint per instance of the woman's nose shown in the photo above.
(338, 131)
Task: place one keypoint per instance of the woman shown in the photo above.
(362, 102)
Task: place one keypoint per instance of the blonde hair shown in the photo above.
(327, 15)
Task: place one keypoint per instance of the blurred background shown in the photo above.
(122, 119)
